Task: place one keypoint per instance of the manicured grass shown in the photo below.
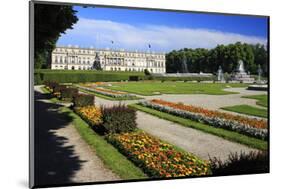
(262, 99)
(108, 97)
(151, 88)
(248, 110)
(111, 157)
(229, 135)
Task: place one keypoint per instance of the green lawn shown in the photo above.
(229, 135)
(111, 157)
(248, 110)
(152, 88)
(262, 99)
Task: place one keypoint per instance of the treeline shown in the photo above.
(226, 56)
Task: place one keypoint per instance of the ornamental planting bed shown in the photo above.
(108, 92)
(249, 126)
(156, 158)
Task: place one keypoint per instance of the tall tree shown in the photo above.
(227, 56)
(50, 22)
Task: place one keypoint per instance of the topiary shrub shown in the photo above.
(68, 93)
(59, 88)
(118, 119)
(81, 100)
(253, 162)
(51, 85)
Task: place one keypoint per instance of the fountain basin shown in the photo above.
(258, 87)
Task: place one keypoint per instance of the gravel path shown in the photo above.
(214, 102)
(61, 155)
(197, 142)
(191, 140)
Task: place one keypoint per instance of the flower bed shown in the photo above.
(251, 127)
(90, 114)
(157, 158)
(108, 92)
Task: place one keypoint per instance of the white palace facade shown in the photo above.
(75, 58)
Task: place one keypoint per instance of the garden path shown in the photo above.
(197, 142)
(212, 102)
(61, 155)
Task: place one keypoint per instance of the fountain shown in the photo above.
(220, 75)
(259, 74)
(184, 65)
(260, 86)
(241, 75)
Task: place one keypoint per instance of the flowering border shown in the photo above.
(110, 93)
(212, 121)
(156, 158)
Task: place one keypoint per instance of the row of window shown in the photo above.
(111, 53)
(134, 69)
(110, 61)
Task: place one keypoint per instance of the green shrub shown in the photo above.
(185, 79)
(146, 72)
(118, 119)
(51, 84)
(68, 93)
(134, 78)
(59, 88)
(81, 100)
(38, 79)
(253, 162)
(76, 76)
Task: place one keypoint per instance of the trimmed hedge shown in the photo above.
(81, 100)
(68, 76)
(206, 78)
(134, 78)
(118, 119)
(59, 88)
(51, 84)
(68, 93)
(251, 163)
(78, 76)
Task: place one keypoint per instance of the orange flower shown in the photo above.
(212, 113)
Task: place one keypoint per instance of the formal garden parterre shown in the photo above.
(156, 158)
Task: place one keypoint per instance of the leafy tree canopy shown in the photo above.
(50, 22)
(226, 56)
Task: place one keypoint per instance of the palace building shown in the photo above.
(75, 58)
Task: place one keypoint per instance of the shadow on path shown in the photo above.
(55, 162)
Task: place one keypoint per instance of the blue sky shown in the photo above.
(164, 30)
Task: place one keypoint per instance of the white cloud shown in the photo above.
(162, 38)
